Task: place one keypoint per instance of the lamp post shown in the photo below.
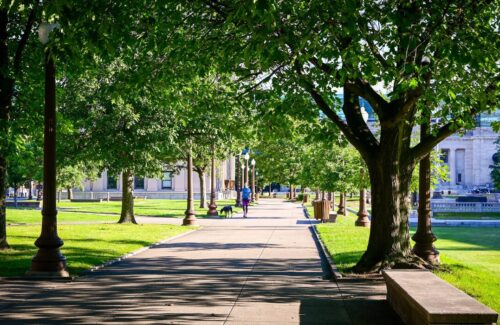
(424, 237)
(362, 220)
(253, 180)
(212, 208)
(243, 176)
(190, 216)
(237, 179)
(246, 156)
(256, 185)
(48, 261)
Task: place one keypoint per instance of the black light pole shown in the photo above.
(212, 208)
(253, 180)
(237, 180)
(424, 237)
(246, 156)
(48, 261)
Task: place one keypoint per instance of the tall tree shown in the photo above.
(17, 21)
(126, 125)
(443, 53)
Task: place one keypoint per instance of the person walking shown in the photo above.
(246, 194)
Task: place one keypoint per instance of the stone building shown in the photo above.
(469, 156)
(170, 186)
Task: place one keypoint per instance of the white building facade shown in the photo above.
(470, 155)
(170, 186)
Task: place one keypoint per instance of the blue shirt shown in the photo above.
(245, 193)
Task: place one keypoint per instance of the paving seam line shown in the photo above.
(246, 278)
(336, 274)
(89, 271)
(324, 252)
(128, 255)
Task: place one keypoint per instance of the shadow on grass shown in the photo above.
(346, 260)
(482, 238)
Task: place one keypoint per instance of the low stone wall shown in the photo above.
(149, 195)
(475, 207)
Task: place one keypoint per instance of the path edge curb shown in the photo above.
(131, 254)
(324, 250)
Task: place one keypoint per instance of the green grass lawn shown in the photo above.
(16, 216)
(468, 215)
(152, 207)
(84, 245)
(470, 256)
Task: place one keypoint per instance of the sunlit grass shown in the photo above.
(21, 216)
(470, 256)
(151, 207)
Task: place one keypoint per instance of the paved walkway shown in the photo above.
(262, 270)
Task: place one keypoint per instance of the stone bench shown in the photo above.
(420, 297)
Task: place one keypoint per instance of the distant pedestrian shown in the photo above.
(246, 193)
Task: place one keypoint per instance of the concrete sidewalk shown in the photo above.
(262, 270)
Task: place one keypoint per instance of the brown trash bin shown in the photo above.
(315, 207)
(305, 197)
(323, 210)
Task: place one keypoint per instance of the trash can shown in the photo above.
(305, 197)
(315, 208)
(323, 210)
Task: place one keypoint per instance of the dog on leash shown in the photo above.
(227, 210)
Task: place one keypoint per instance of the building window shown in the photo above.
(166, 181)
(459, 178)
(112, 183)
(444, 155)
(139, 183)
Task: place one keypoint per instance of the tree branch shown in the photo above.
(354, 139)
(364, 89)
(354, 117)
(325, 67)
(377, 55)
(265, 79)
(24, 38)
(429, 142)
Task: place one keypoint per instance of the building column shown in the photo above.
(452, 165)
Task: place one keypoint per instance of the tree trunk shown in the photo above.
(70, 193)
(3, 215)
(6, 96)
(30, 192)
(389, 242)
(341, 209)
(189, 214)
(203, 188)
(15, 196)
(270, 190)
(127, 214)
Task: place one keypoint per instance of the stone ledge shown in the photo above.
(420, 297)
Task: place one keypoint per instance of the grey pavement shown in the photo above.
(262, 270)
